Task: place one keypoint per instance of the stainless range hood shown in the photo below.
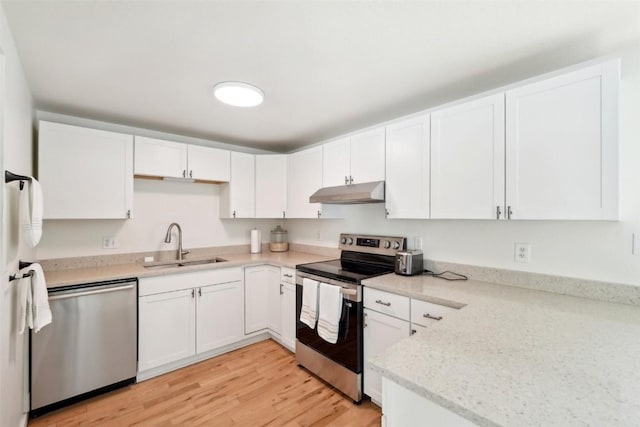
(368, 192)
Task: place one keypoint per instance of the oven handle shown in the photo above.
(350, 293)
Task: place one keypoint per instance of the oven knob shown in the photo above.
(349, 241)
(387, 244)
(396, 245)
(343, 240)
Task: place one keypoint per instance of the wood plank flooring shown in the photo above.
(259, 385)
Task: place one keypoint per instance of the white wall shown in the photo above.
(156, 205)
(595, 250)
(16, 150)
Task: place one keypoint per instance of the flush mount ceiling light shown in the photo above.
(238, 94)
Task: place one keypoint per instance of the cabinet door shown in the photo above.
(561, 146)
(155, 157)
(305, 178)
(467, 160)
(219, 316)
(166, 328)
(271, 186)
(335, 163)
(256, 299)
(209, 164)
(288, 313)
(368, 156)
(85, 173)
(274, 318)
(407, 182)
(380, 332)
(237, 198)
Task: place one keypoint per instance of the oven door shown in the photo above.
(347, 351)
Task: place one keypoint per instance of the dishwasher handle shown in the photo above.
(85, 293)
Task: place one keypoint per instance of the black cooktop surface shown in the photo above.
(345, 270)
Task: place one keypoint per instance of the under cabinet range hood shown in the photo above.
(367, 192)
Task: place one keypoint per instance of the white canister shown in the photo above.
(256, 241)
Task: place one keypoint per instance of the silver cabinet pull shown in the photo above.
(191, 173)
(184, 173)
(193, 293)
(498, 212)
(379, 301)
(346, 180)
(281, 291)
(428, 316)
(350, 179)
(129, 213)
(319, 214)
(509, 212)
(386, 212)
(96, 292)
(199, 292)
(288, 275)
(234, 214)
(283, 215)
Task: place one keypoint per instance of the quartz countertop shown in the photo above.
(76, 276)
(519, 357)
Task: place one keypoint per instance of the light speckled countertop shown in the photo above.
(519, 357)
(76, 276)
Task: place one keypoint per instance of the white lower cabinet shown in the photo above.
(166, 328)
(182, 315)
(402, 407)
(288, 308)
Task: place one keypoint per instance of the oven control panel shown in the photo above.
(384, 245)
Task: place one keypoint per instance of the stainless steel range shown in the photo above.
(341, 364)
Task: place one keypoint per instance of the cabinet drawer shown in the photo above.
(186, 280)
(423, 312)
(387, 303)
(288, 275)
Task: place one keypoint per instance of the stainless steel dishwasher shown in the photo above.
(90, 347)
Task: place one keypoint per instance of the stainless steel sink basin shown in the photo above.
(183, 263)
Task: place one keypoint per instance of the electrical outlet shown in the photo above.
(522, 252)
(109, 242)
(417, 242)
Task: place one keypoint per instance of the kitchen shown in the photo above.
(600, 251)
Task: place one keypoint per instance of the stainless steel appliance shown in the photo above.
(341, 364)
(90, 347)
(409, 262)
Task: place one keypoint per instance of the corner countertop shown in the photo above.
(121, 271)
(513, 356)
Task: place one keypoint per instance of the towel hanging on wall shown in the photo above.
(31, 213)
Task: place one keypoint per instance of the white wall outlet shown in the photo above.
(417, 242)
(635, 243)
(522, 252)
(109, 242)
(148, 259)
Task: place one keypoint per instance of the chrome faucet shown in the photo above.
(167, 239)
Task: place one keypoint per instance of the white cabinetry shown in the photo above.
(288, 310)
(305, 178)
(237, 198)
(159, 158)
(467, 160)
(404, 408)
(355, 159)
(386, 321)
(561, 146)
(184, 314)
(271, 186)
(407, 169)
(262, 298)
(85, 173)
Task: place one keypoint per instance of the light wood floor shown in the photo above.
(257, 385)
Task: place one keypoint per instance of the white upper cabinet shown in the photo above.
(271, 186)
(155, 157)
(159, 158)
(407, 158)
(355, 159)
(305, 178)
(561, 146)
(85, 173)
(467, 160)
(208, 164)
(237, 198)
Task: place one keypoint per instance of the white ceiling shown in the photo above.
(326, 67)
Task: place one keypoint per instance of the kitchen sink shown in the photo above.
(184, 263)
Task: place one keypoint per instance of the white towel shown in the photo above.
(309, 310)
(25, 301)
(41, 311)
(31, 212)
(329, 312)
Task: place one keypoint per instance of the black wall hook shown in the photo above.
(10, 177)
